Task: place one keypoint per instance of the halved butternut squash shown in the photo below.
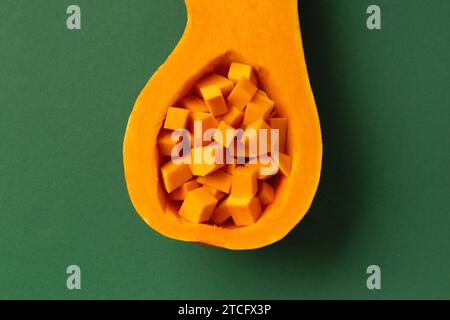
(264, 34)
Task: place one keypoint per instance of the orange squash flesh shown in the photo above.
(268, 38)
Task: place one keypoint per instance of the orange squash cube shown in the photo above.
(230, 168)
(194, 104)
(198, 206)
(244, 182)
(181, 192)
(205, 121)
(224, 134)
(266, 193)
(222, 213)
(284, 162)
(225, 85)
(174, 175)
(234, 117)
(220, 180)
(253, 138)
(238, 71)
(176, 118)
(214, 100)
(281, 125)
(165, 143)
(264, 165)
(216, 193)
(241, 95)
(245, 211)
(258, 108)
(205, 160)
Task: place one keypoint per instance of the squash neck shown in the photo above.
(237, 15)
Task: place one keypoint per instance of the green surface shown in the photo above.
(383, 199)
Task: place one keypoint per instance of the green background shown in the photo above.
(65, 96)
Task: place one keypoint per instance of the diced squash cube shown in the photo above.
(230, 168)
(258, 125)
(245, 211)
(222, 212)
(258, 108)
(241, 95)
(281, 125)
(266, 193)
(203, 169)
(165, 143)
(223, 83)
(220, 180)
(257, 138)
(224, 134)
(216, 193)
(181, 192)
(244, 182)
(264, 165)
(205, 160)
(198, 206)
(256, 166)
(239, 70)
(214, 100)
(234, 117)
(176, 118)
(174, 175)
(205, 121)
(284, 162)
(194, 104)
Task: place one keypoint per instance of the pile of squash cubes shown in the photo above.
(223, 192)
